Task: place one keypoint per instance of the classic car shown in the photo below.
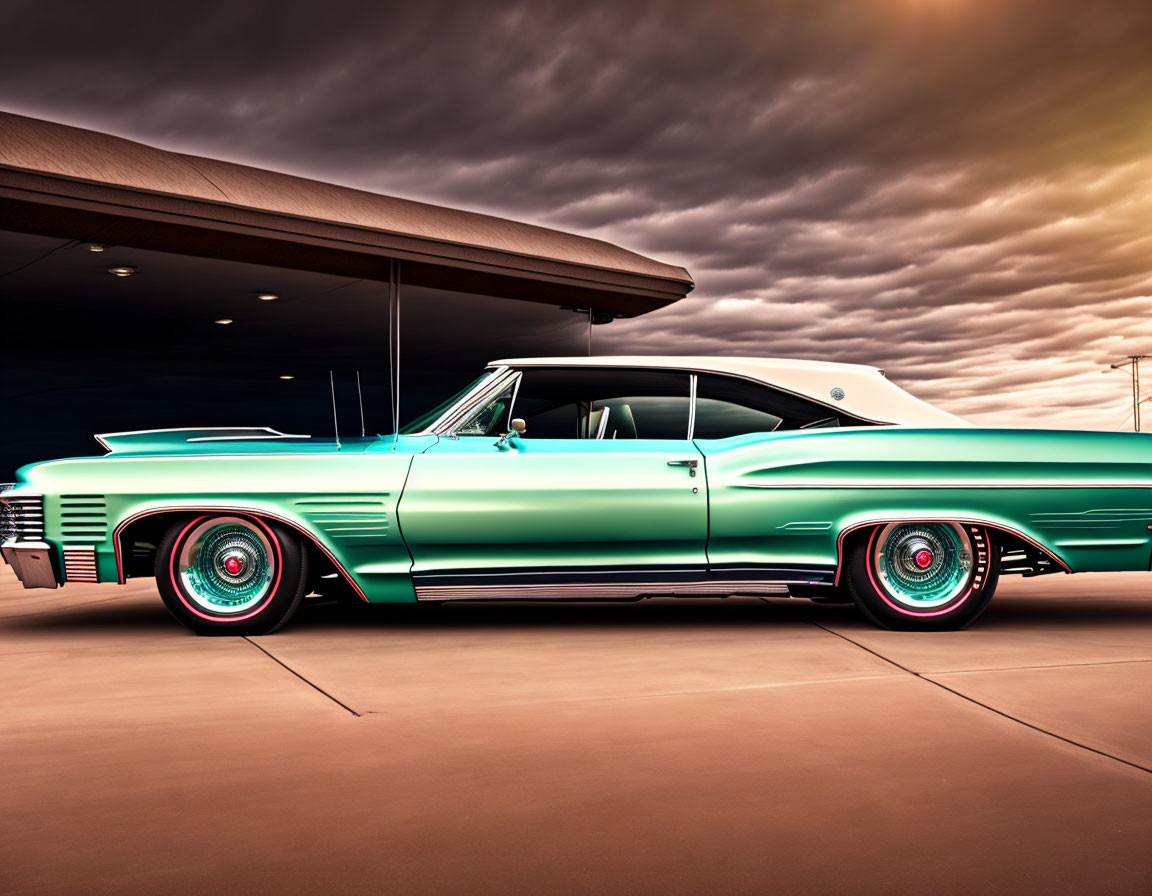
(597, 478)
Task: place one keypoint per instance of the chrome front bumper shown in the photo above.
(22, 542)
(32, 563)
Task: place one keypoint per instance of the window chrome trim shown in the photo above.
(471, 403)
(504, 374)
(839, 412)
(442, 424)
(519, 374)
(691, 405)
(478, 403)
(764, 384)
(694, 374)
(515, 394)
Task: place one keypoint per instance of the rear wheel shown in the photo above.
(231, 574)
(922, 576)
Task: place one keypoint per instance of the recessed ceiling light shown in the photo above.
(267, 296)
(96, 247)
(287, 376)
(223, 320)
(122, 271)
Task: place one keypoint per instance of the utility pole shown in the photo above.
(1134, 362)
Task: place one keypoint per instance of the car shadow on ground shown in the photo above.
(317, 614)
(325, 615)
(1005, 613)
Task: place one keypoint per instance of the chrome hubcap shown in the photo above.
(234, 563)
(922, 565)
(226, 565)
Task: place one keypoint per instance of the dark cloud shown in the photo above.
(959, 191)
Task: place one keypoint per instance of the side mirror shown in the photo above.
(511, 439)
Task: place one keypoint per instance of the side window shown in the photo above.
(731, 407)
(602, 404)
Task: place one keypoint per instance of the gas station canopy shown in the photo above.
(71, 183)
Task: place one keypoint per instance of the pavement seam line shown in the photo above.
(1039, 666)
(973, 700)
(310, 684)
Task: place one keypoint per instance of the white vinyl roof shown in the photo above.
(867, 392)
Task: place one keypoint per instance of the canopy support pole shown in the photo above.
(394, 345)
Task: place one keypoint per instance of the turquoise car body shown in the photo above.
(435, 516)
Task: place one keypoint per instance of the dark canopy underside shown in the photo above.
(71, 183)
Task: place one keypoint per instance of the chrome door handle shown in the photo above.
(690, 464)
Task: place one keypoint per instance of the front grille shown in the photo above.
(83, 518)
(80, 565)
(21, 517)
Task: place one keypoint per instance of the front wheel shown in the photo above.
(231, 574)
(922, 576)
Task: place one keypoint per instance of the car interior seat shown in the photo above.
(621, 421)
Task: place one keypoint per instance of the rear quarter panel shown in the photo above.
(784, 498)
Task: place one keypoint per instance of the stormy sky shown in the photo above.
(959, 191)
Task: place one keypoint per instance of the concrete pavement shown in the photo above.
(735, 746)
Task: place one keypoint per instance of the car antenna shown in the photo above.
(360, 396)
(335, 419)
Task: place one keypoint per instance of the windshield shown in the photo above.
(422, 422)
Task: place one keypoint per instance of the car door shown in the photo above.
(757, 524)
(603, 488)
